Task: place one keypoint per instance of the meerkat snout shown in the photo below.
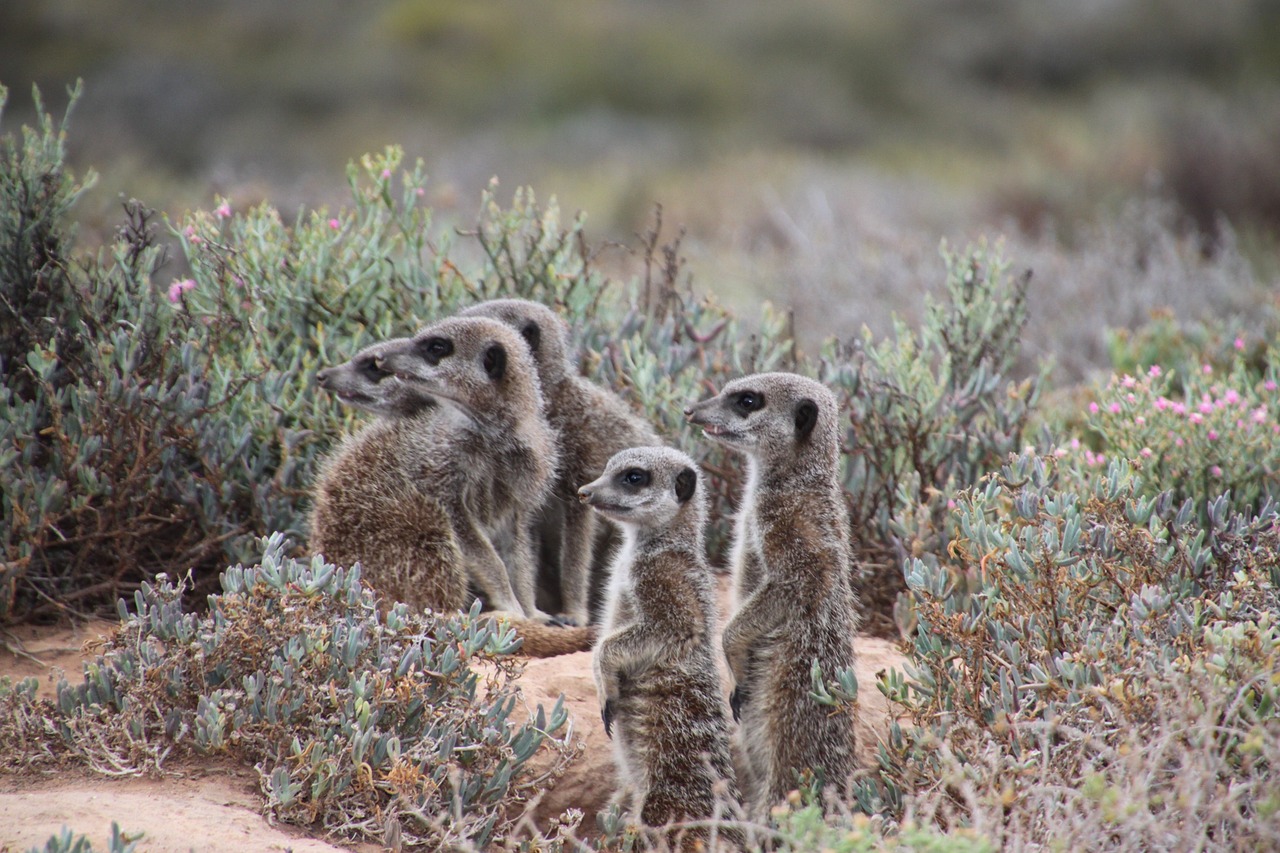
(584, 494)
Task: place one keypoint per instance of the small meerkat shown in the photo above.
(654, 665)
(591, 425)
(801, 608)
(378, 500)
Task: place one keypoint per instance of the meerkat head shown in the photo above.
(649, 487)
(542, 329)
(363, 384)
(477, 365)
(773, 417)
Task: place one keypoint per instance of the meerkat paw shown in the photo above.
(567, 620)
(606, 714)
(737, 699)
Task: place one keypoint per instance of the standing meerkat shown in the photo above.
(591, 425)
(654, 665)
(381, 499)
(802, 608)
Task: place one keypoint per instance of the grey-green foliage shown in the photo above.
(931, 410)
(66, 842)
(1102, 635)
(373, 725)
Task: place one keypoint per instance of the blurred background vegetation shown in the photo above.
(815, 150)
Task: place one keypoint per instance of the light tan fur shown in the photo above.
(654, 665)
(379, 499)
(801, 608)
(591, 425)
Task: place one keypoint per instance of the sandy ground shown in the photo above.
(218, 807)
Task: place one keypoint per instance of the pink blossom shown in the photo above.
(1270, 385)
(1161, 404)
(192, 236)
(335, 224)
(1213, 435)
(1075, 444)
(1093, 408)
(178, 288)
(1179, 409)
(1128, 381)
(420, 192)
(1131, 398)
(1196, 418)
(1178, 442)
(1260, 415)
(1154, 371)
(1239, 343)
(1215, 471)
(951, 504)
(1145, 453)
(386, 173)
(1206, 369)
(1231, 397)
(1140, 421)
(1239, 423)
(1205, 408)
(222, 211)
(1115, 408)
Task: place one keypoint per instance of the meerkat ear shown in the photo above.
(686, 484)
(495, 362)
(532, 334)
(806, 418)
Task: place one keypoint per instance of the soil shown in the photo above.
(209, 807)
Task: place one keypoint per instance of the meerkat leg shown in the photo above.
(625, 653)
(762, 612)
(486, 570)
(522, 570)
(575, 563)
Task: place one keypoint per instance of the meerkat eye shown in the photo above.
(435, 349)
(368, 367)
(749, 401)
(635, 477)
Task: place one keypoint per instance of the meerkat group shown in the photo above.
(488, 449)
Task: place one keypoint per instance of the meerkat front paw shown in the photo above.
(737, 699)
(606, 714)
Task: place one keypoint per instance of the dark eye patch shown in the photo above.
(747, 402)
(636, 478)
(434, 349)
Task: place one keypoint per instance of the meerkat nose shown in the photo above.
(322, 375)
(584, 494)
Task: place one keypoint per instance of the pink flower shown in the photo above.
(1179, 409)
(1215, 471)
(1178, 442)
(1260, 415)
(1154, 371)
(1145, 453)
(192, 236)
(1140, 421)
(1196, 418)
(1213, 435)
(1161, 404)
(222, 211)
(1231, 397)
(178, 288)
(1115, 408)
(1239, 343)
(335, 224)
(1270, 385)
(420, 192)
(1075, 444)
(1206, 408)
(1131, 398)
(386, 173)
(1128, 381)
(1206, 369)
(1093, 408)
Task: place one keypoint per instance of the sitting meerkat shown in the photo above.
(378, 499)
(802, 608)
(591, 425)
(654, 666)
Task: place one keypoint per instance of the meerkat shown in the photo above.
(591, 424)
(654, 664)
(802, 608)
(378, 500)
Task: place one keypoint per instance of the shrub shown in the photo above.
(390, 727)
(66, 842)
(1195, 437)
(1108, 680)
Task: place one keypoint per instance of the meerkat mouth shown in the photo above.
(617, 509)
(720, 432)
